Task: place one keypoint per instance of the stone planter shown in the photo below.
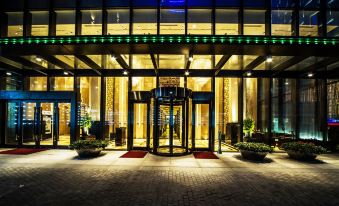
(86, 153)
(250, 155)
(301, 155)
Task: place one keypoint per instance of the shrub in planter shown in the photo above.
(253, 150)
(303, 150)
(88, 148)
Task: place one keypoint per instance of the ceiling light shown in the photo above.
(65, 73)
(187, 73)
(190, 58)
(249, 74)
(310, 74)
(113, 57)
(125, 72)
(269, 59)
(38, 59)
(8, 73)
(286, 83)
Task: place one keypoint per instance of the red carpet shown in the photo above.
(134, 154)
(22, 151)
(204, 155)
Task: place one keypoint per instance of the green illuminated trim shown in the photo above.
(170, 39)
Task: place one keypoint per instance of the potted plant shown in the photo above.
(248, 126)
(88, 148)
(253, 150)
(85, 124)
(303, 150)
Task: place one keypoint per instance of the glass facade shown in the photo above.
(119, 85)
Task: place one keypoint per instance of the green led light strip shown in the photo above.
(170, 39)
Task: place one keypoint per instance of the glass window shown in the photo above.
(250, 99)
(201, 62)
(171, 3)
(90, 88)
(91, 22)
(309, 3)
(144, 21)
(228, 3)
(172, 21)
(254, 3)
(226, 22)
(283, 4)
(62, 83)
(199, 84)
(200, 3)
(333, 23)
(111, 62)
(233, 63)
(65, 4)
(90, 3)
(308, 23)
(15, 23)
(308, 101)
(254, 22)
(38, 4)
(116, 110)
(36, 83)
(199, 21)
(171, 61)
(143, 83)
(141, 3)
(281, 23)
(118, 21)
(65, 23)
(142, 61)
(333, 3)
(40, 23)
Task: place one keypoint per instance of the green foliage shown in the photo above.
(88, 144)
(253, 146)
(303, 147)
(248, 125)
(86, 121)
(337, 148)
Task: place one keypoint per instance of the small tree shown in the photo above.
(86, 123)
(248, 126)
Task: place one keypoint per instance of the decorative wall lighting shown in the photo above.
(249, 73)
(187, 73)
(65, 73)
(125, 72)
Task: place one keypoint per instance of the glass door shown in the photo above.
(201, 125)
(164, 129)
(63, 126)
(12, 124)
(29, 125)
(140, 125)
(46, 129)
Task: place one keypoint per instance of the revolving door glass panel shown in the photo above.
(170, 128)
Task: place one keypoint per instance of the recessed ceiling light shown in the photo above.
(286, 83)
(125, 72)
(38, 59)
(310, 74)
(249, 74)
(113, 57)
(190, 58)
(269, 59)
(187, 73)
(8, 73)
(65, 73)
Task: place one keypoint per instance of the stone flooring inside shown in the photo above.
(58, 177)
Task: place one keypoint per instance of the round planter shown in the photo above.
(250, 155)
(301, 155)
(85, 153)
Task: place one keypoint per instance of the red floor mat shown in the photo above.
(134, 154)
(204, 155)
(22, 151)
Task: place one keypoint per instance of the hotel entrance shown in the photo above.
(37, 123)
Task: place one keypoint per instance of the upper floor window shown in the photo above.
(226, 22)
(333, 23)
(91, 22)
(308, 23)
(118, 21)
(172, 21)
(65, 23)
(15, 24)
(199, 21)
(39, 23)
(254, 22)
(144, 21)
(281, 22)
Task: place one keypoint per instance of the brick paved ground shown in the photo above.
(57, 177)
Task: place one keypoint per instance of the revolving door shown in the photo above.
(172, 117)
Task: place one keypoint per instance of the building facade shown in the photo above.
(168, 76)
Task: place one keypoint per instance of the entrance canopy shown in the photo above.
(171, 55)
